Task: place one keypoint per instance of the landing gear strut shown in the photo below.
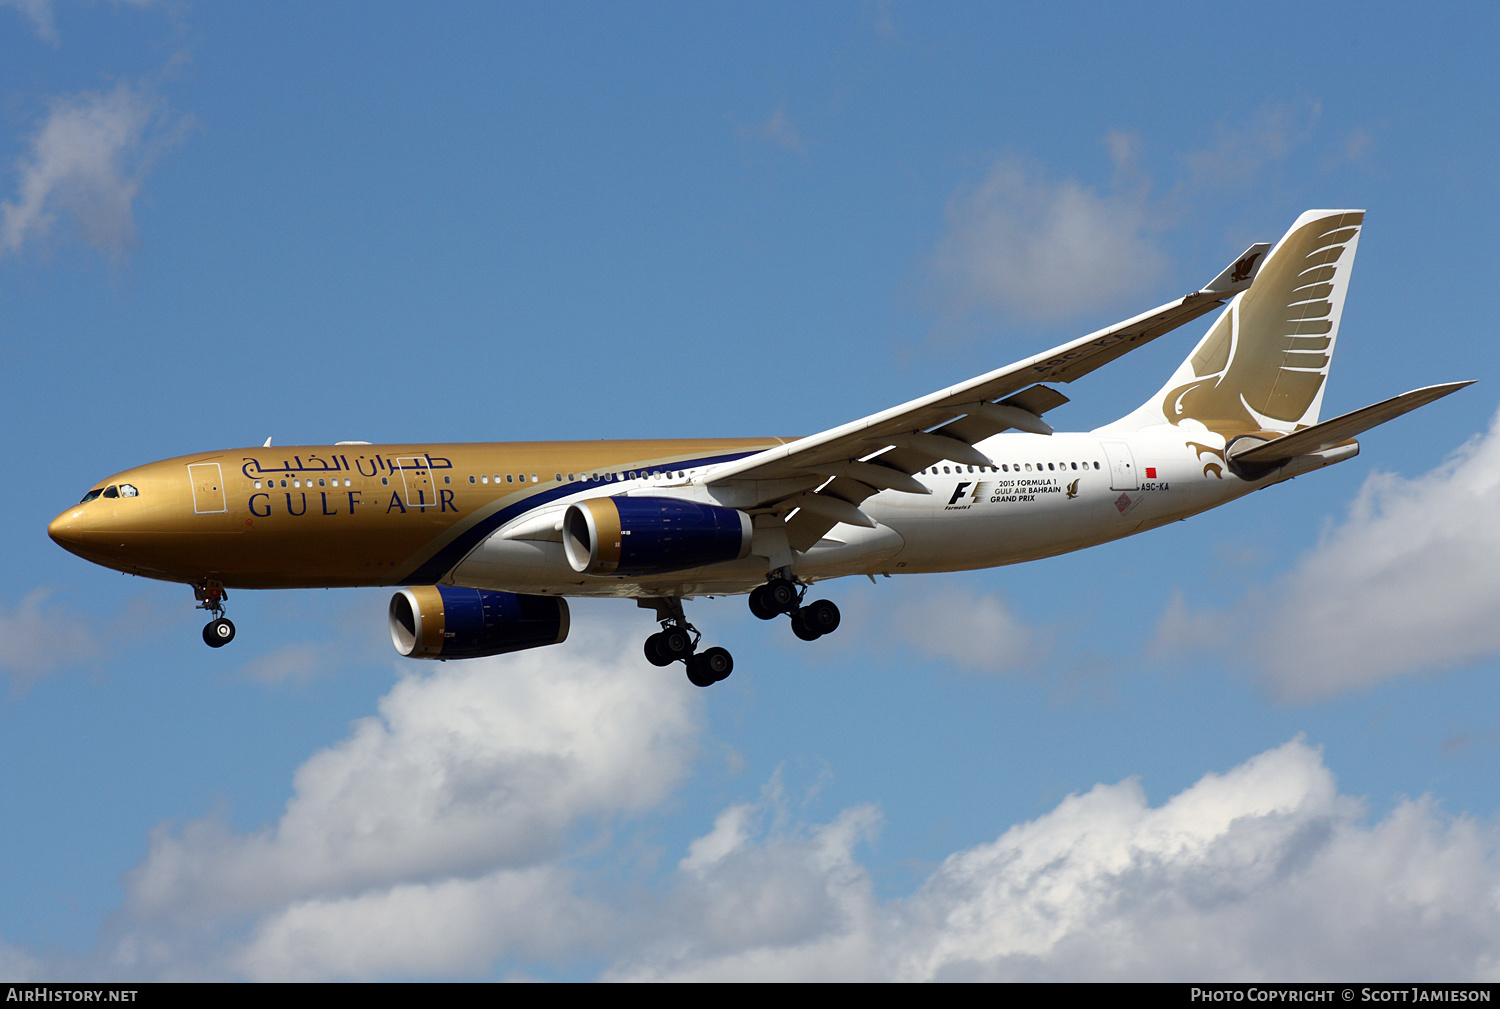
(219, 631)
(783, 595)
(677, 641)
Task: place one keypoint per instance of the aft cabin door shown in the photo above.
(1121, 465)
(416, 479)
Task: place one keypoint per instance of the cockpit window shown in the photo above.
(128, 490)
(111, 491)
(91, 495)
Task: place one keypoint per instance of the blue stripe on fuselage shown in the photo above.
(436, 567)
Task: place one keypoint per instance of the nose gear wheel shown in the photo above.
(219, 631)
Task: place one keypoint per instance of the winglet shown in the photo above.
(1238, 275)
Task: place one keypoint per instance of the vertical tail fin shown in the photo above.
(1264, 363)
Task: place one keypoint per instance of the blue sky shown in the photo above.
(1262, 743)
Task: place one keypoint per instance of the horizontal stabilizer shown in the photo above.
(1322, 436)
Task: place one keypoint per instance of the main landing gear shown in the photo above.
(677, 641)
(219, 631)
(782, 595)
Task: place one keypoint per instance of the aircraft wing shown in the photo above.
(825, 476)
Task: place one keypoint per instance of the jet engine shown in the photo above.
(443, 622)
(651, 535)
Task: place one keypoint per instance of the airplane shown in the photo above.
(484, 542)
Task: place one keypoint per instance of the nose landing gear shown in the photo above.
(782, 595)
(219, 631)
(677, 641)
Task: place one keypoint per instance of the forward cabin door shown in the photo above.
(207, 480)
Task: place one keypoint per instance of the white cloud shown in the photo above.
(1241, 150)
(975, 632)
(445, 927)
(1028, 245)
(1409, 582)
(778, 130)
(441, 839)
(86, 162)
(17, 965)
(36, 638)
(433, 839)
(40, 13)
(1263, 872)
(482, 765)
(297, 663)
(794, 905)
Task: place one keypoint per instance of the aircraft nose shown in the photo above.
(67, 530)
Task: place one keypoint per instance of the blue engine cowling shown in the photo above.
(651, 535)
(443, 622)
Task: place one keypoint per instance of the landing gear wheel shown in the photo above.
(718, 662)
(822, 615)
(803, 627)
(762, 605)
(676, 643)
(656, 653)
(218, 633)
(698, 673)
(710, 667)
(781, 594)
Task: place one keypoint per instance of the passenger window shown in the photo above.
(449, 479)
(385, 481)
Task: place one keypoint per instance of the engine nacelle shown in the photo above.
(651, 535)
(443, 622)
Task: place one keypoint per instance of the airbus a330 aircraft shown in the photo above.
(485, 541)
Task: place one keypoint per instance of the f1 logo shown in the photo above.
(959, 491)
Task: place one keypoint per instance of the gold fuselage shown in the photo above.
(350, 515)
